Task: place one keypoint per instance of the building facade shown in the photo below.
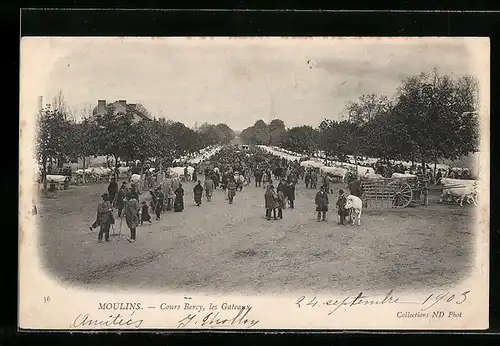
(120, 106)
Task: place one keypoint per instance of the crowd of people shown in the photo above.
(126, 199)
(231, 170)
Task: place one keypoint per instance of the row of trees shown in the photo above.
(430, 117)
(215, 134)
(263, 134)
(119, 136)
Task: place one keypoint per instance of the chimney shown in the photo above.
(40, 103)
(123, 102)
(101, 106)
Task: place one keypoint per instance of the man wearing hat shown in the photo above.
(159, 201)
(134, 192)
(104, 218)
(271, 202)
(120, 198)
(112, 191)
(321, 201)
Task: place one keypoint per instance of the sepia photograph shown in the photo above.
(212, 181)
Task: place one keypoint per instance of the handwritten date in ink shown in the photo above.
(389, 299)
(449, 298)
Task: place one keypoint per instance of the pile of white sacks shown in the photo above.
(202, 155)
(199, 157)
(335, 168)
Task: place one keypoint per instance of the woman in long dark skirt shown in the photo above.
(198, 192)
(145, 213)
(179, 199)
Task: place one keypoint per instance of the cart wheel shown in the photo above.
(402, 194)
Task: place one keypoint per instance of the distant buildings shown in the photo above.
(120, 106)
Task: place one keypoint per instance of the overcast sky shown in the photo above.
(239, 81)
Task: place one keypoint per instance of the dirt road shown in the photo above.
(234, 249)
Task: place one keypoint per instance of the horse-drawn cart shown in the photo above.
(395, 192)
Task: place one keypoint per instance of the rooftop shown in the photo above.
(132, 107)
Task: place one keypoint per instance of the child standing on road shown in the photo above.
(341, 207)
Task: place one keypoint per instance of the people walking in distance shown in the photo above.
(225, 181)
(198, 193)
(327, 182)
(104, 218)
(134, 192)
(239, 179)
(216, 178)
(265, 179)
(290, 194)
(258, 178)
(248, 176)
(153, 199)
(307, 179)
(321, 204)
(164, 190)
(439, 176)
(145, 217)
(96, 221)
(209, 188)
(231, 190)
(282, 186)
(341, 211)
(132, 215)
(179, 199)
(160, 197)
(195, 175)
(243, 180)
(355, 187)
(120, 198)
(170, 195)
(112, 191)
(314, 179)
(271, 202)
(281, 201)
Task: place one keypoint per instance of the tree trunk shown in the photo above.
(356, 162)
(142, 175)
(435, 165)
(44, 173)
(84, 181)
(161, 172)
(60, 160)
(116, 166)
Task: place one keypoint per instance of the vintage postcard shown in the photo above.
(254, 183)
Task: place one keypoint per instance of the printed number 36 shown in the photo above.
(46, 299)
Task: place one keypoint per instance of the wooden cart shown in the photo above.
(395, 192)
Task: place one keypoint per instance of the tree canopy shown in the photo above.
(63, 138)
(430, 117)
